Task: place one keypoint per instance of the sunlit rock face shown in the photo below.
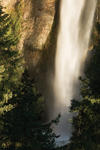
(43, 15)
(11, 3)
(40, 24)
(37, 20)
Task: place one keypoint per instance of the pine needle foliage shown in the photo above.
(10, 60)
(21, 106)
(24, 128)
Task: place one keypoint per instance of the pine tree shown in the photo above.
(24, 128)
(21, 106)
(10, 65)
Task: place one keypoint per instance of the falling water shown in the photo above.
(76, 19)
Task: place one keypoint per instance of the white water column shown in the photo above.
(76, 20)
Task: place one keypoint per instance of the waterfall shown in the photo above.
(76, 20)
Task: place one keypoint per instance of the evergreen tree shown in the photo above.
(21, 106)
(24, 128)
(10, 61)
(10, 65)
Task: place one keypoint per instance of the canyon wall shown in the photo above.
(39, 24)
(37, 18)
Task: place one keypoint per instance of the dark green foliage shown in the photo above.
(10, 61)
(24, 128)
(21, 106)
(86, 135)
(7, 38)
(10, 66)
(86, 124)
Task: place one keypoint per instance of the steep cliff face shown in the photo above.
(11, 3)
(37, 18)
(41, 18)
(38, 30)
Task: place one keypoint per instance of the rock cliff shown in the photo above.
(39, 23)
